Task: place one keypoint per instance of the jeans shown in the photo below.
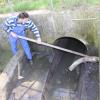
(20, 30)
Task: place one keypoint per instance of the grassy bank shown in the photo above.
(23, 5)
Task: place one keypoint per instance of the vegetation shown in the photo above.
(22, 5)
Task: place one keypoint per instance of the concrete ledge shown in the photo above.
(9, 76)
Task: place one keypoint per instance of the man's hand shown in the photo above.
(13, 34)
(39, 40)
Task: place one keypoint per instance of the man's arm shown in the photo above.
(35, 30)
(7, 26)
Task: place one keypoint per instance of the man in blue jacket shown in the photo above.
(17, 25)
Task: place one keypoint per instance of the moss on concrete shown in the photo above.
(5, 56)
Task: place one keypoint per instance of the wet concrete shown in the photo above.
(50, 79)
(31, 86)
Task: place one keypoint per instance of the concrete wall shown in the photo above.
(9, 76)
(53, 25)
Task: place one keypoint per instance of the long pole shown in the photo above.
(55, 47)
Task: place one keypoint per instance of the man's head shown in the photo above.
(23, 17)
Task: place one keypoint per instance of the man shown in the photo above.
(17, 26)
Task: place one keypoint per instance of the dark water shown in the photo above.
(66, 85)
(63, 83)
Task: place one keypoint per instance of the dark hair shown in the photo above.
(23, 15)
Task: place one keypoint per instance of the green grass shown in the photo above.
(32, 5)
(93, 2)
(22, 5)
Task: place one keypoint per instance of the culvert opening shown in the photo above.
(71, 44)
(61, 83)
(67, 58)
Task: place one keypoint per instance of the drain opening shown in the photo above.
(62, 83)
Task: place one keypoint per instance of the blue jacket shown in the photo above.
(11, 22)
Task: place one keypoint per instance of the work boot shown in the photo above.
(31, 62)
